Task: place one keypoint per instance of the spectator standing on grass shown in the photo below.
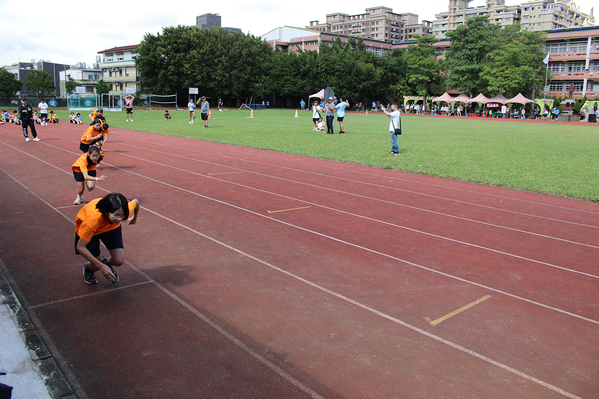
(340, 108)
(204, 109)
(192, 114)
(303, 104)
(329, 109)
(129, 108)
(220, 105)
(43, 106)
(27, 121)
(100, 220)
(84, 172)
(393, 124)
(570, 113)
(316, 110)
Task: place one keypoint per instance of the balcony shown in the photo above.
(592, 75)
(574, 56)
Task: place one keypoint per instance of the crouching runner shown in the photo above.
(100, 220)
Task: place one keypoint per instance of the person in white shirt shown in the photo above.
(393, 124)
(43, 106)
(316, 110)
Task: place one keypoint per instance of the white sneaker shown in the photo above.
(26, 138)
(131, 120)
(36, 139)
(77, 201)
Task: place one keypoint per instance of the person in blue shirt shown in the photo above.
(303, 105)
(340, 108)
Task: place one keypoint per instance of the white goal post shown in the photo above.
(162, 101)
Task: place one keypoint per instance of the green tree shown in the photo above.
(466, 58)
(102, 87)
(8, 84)
(39, 82)
(516, 66)
(424, 68)
(70, 84)
(219, 63)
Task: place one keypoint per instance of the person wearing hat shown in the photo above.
(330, 113)
(204, 109)
(26, 114)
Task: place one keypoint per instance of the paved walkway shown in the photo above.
(25, 365)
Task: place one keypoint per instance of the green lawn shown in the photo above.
(543, 157)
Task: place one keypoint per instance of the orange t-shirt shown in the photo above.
(91, 132)
(91, 222)
(80, 164)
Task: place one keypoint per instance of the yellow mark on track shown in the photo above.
(223, 173)
(290, 209)
(455, 312)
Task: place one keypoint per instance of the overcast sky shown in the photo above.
(69, 31)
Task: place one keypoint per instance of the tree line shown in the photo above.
(483, 57)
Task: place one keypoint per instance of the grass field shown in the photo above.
(551, 158)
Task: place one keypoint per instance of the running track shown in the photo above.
(253, 274)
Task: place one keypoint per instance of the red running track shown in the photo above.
(253, 274)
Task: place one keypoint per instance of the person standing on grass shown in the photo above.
(330, 113)
(340, 108)
(84, 172)
(100, 220)
(220, 105)
(316, 110)
(129, 108)
(204, 109)
(192, 114)
(302, 104)
(26, 115)
(393, 124)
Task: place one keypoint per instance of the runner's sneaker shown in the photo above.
(36, 139)
(26, 138)
(112, 270)
(89, 277)
(77, 201)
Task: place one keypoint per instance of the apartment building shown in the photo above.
(376, 23)
(545, 15)
(459, 12)
(83, 77)
(536, 15)
(118, 69)
(292, 39)
(573, 61)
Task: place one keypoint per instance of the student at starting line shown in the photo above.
(100, 220)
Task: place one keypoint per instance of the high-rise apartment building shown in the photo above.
(544, 15)
(377, 23)
(535, 15)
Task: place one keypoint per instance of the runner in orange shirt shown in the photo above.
(100, 220)
(92, 136)
(84, 171)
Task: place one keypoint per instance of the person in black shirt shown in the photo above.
(26, 113)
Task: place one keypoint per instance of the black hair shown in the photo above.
(105, 126)
(112, 203)
(91, 150)
(96, 120)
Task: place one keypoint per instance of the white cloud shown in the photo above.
(71, 31)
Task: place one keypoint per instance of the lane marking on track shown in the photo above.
(458, 311)
(290, 209)
(319, 287)
(223, 173)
